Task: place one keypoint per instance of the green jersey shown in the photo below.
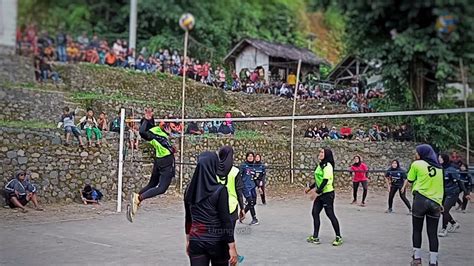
(326, 173)
(427, 180)
(161, 151)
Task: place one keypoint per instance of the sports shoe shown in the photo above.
(354, 202)
(416, 262)
(389, 211)
(254, 222)
(362, 204)
(134, 202)
(129, 214)
(454, 227)
(443, 232)
(338, 241)
(313, 240)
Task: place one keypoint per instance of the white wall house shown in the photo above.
(8, 14)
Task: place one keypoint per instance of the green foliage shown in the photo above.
(248, 134)
(212, 108)
(219, 23)
(324, 71)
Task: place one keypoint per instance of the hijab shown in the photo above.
(328, 158)
(428, 155)
(204, 182)
(226, 161)
(354, 164)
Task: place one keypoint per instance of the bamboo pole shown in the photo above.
(292, 157)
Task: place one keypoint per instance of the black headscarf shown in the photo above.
(328, 158)
(360, 161)
(204, 182)
(226, 161)
(446, 162)
(428, 155)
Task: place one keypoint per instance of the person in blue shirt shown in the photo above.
(91, 195)
(466, 178)
(396, 181)
(248, 176)
(261, 172)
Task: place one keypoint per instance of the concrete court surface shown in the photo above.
(157, 236)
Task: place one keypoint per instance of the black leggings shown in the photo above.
(448, 203)
(161, 176)
(325, 201)
(463, 203)
(422, 207)
(202, 253)
(251, 201)
(262, 195)
(355, 186)
(391, 195)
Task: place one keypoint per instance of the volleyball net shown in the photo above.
(290, 159)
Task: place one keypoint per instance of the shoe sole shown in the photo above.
(129, 213)
(337, 245)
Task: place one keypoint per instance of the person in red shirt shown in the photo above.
(360, 177)
(346, 132)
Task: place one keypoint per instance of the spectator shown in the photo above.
(134, 135)
(291, 79)
(455, 158)
(346, 132)
(36, 65)
(374, 134)
(102, 123)
(73, 52)
(115, 124)
(324, 131)
(225, 130)
(333, 134)
(90, 195)
(19, 191)
(95, 42)
(193, 129)
(89, 123)
(61, 44)
(67, 121)
(83, 39)
(110, 58)
(47, 71)
(360, 133)
(309, 133)
(385, 132)
(406, 133)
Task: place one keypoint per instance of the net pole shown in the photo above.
(466, 114)
(120, 161)
(292, 156)
(186, 33)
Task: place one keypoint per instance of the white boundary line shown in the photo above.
(326, 116)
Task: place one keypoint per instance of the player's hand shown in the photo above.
(233, 255)
(468, 197)
(187, 247)
(307, 190)
(241, 216)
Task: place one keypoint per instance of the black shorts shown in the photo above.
(216, 252)
(423, 206)
(21, 199)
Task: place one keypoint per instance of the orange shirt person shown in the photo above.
(110, 58)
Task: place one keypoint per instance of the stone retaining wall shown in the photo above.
(60, 171)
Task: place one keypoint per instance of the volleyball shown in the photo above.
(186, 22)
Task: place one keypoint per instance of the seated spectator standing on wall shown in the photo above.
(102, 122)
(308, 133)
(47, 71)
(225, 130)
(19, 191)
(346, 132)
(90, 195)
(115, 124)
(89, 123)
(324, 131)
(67, 121)
(385, 132)
(333, 134)
(110, 58)
(193, 129)
(360, 133)
(405, 133)
(374, 134)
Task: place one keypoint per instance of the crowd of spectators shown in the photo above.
(361, 133)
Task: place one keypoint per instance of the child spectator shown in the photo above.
(89, 123)
(225, 130)
(134, 136)
(374, 134)
(193, 129)
(110, 58)
(67, 121)
(115, 124)
(360, 133)
(333, 134)
(102, 122)
(19, 191)
(385, 132)
(46, 70)
(90, 195)
(309, 133)
(346, 132)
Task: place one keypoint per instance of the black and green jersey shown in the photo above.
(427, 180)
